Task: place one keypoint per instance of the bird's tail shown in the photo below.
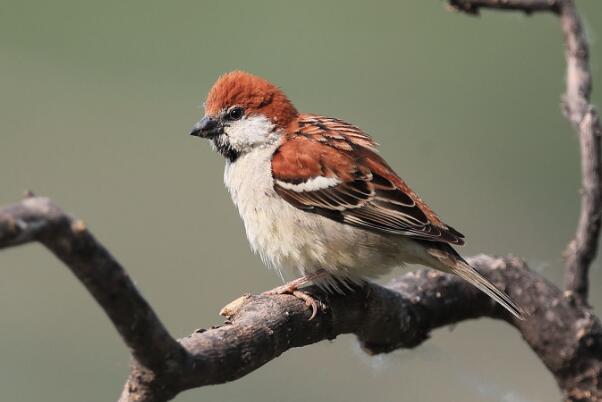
(455, 264)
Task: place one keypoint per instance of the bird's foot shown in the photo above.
(292, 288)
(309, 300)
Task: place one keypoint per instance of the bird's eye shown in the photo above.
(235, 113)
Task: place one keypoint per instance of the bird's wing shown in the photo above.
(329, 167)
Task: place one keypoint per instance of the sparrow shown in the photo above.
(316, 198)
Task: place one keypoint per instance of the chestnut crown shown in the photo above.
(253, 95)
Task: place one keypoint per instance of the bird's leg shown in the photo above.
(292, 288)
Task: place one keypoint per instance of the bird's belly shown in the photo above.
(305, 242)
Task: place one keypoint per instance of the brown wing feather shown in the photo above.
(331, 168)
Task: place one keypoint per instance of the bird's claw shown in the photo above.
(292, 288)
(309, 300)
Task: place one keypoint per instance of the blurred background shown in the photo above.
(96, 101)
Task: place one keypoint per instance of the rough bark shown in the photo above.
(561, 328)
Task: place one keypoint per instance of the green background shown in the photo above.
(96, 100)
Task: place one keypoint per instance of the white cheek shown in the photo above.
(251, 131)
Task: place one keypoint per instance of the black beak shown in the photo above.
(207, 127)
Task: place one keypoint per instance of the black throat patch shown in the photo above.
(224, 148)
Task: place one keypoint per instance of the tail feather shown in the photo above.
(455, 263)
(469, 274)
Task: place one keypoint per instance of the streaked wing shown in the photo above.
(331, 168)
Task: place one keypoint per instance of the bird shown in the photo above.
(317, 199)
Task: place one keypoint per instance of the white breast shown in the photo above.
(268, 219)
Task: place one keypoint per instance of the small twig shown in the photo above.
(473, 7)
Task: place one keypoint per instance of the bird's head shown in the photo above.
(244, 112)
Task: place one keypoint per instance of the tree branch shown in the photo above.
(38, 219)
(582, 250)
(261, 328)
(567, 338)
